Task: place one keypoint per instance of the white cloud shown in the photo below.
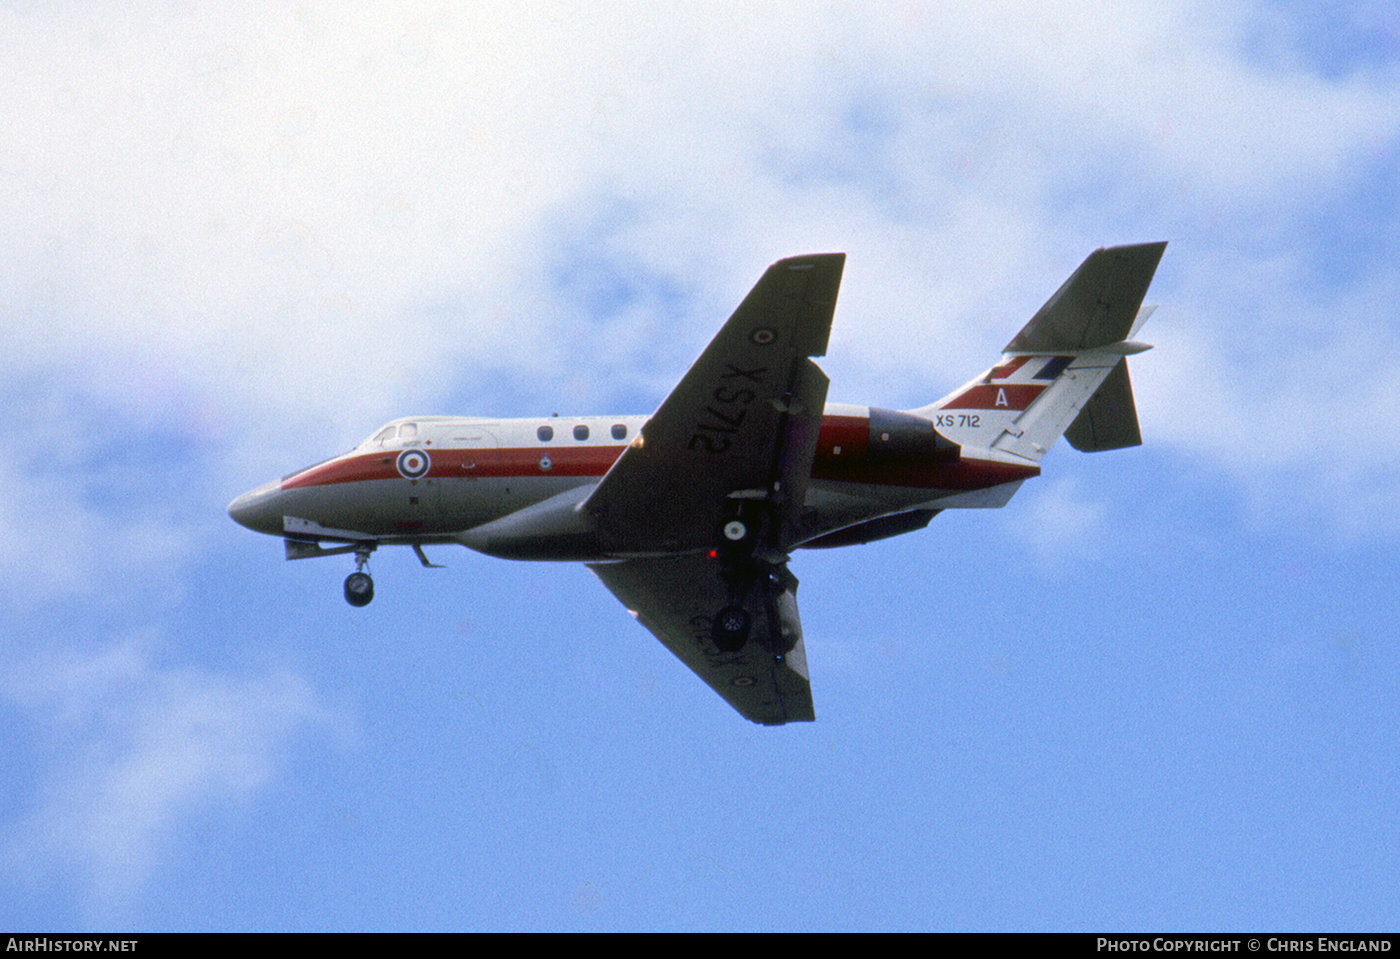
(237, 240)
(93, 497)
(322, 217)
(144, 747)
(1060, 525)
(1287, 393)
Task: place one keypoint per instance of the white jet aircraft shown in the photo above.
(689, 515)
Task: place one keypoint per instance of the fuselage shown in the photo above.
(435, 479)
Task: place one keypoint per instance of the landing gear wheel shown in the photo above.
(359, 589)
(731, 630)
(735, 531)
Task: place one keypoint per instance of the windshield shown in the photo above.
(393, 435)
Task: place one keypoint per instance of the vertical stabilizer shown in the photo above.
(1066, 372)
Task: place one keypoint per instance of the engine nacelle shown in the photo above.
(895, 434)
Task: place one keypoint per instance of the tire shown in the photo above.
(731, 630)
(359, 589)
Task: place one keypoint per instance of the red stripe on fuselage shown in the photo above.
(347, 469)
(465, 463)
(842, 456)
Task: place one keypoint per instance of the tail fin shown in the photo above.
(1066, 372)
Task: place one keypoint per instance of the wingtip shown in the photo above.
(806, 261)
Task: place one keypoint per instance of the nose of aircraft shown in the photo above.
(259, 510)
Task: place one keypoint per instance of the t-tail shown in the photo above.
(1066, 372)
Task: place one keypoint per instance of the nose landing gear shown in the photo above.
(359, 587)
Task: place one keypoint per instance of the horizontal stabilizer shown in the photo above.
(1097, 305)
(1109, 420)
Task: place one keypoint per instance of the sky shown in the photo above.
(1159, 690)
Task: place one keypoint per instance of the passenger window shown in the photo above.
(545, 433)
(580, 433)
(619, 431)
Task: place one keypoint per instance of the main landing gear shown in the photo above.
(359, 588)
(737, 540)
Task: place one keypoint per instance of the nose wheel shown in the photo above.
(359, 587)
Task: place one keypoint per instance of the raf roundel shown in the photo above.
(763, 336)
(414, 464)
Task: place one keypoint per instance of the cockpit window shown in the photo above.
(408, 431)
(384, 435)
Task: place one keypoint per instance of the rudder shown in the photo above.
(1109, 420)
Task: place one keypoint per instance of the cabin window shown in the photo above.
(545, 433)
(619, 431)
(580, 432)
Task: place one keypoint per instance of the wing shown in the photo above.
(676, 597)
(703, 504)
(740, 428)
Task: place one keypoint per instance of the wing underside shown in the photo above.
(676, 597)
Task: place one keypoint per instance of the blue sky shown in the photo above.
(1156, 691)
